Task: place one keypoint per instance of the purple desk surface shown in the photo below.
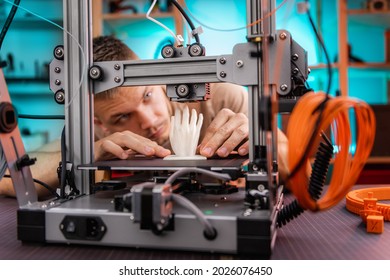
(332, 234)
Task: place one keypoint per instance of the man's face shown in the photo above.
(142, 110)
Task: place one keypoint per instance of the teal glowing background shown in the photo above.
(31, 42)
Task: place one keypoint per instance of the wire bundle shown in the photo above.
(347, 167)
(3, 163)
(317, 181)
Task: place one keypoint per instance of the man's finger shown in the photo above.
(117, 144)
(222, 117)
(243, 150)
(161, 152)
(108, 148)
(227, 137)
(238, 135)
(147, 147)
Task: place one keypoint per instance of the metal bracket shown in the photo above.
(13, 148)
(151, 205)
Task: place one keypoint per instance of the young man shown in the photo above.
(132, 120)
(124, 114)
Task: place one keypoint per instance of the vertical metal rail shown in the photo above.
(260, 31)
(79, 101)
(254, 34)
(269, 93)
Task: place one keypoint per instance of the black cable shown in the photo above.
(317, 181)
(302, 77)
(66, 176)
(41, 117)
(3, 162)
(209, 231)
(188, 19)
(321, 107)
(310, 144)
(63, 164)
(46, 186)
(8, 21)
(171, 179)
(322, 44)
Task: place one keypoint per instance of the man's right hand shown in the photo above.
(123, 144)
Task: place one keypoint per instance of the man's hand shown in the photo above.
(225, 133)
(123, 144)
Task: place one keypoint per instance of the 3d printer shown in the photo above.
(208, 214)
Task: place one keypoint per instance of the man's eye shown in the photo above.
(123, 117)
(147, 95)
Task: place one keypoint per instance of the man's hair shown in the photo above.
(110, 48)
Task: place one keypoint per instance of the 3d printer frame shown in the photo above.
(243, 225)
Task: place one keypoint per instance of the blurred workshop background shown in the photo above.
(359, 30)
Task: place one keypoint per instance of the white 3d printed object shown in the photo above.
(184, 135)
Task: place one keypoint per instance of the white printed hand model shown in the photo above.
(184, 135)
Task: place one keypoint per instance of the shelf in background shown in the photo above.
(356, 65)
(28, 86)
(371, 65)
(323, 66)
(120, 16)
(13, 80)
(367, 12)
(378, 160)
(366, 17)
(32, 22)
